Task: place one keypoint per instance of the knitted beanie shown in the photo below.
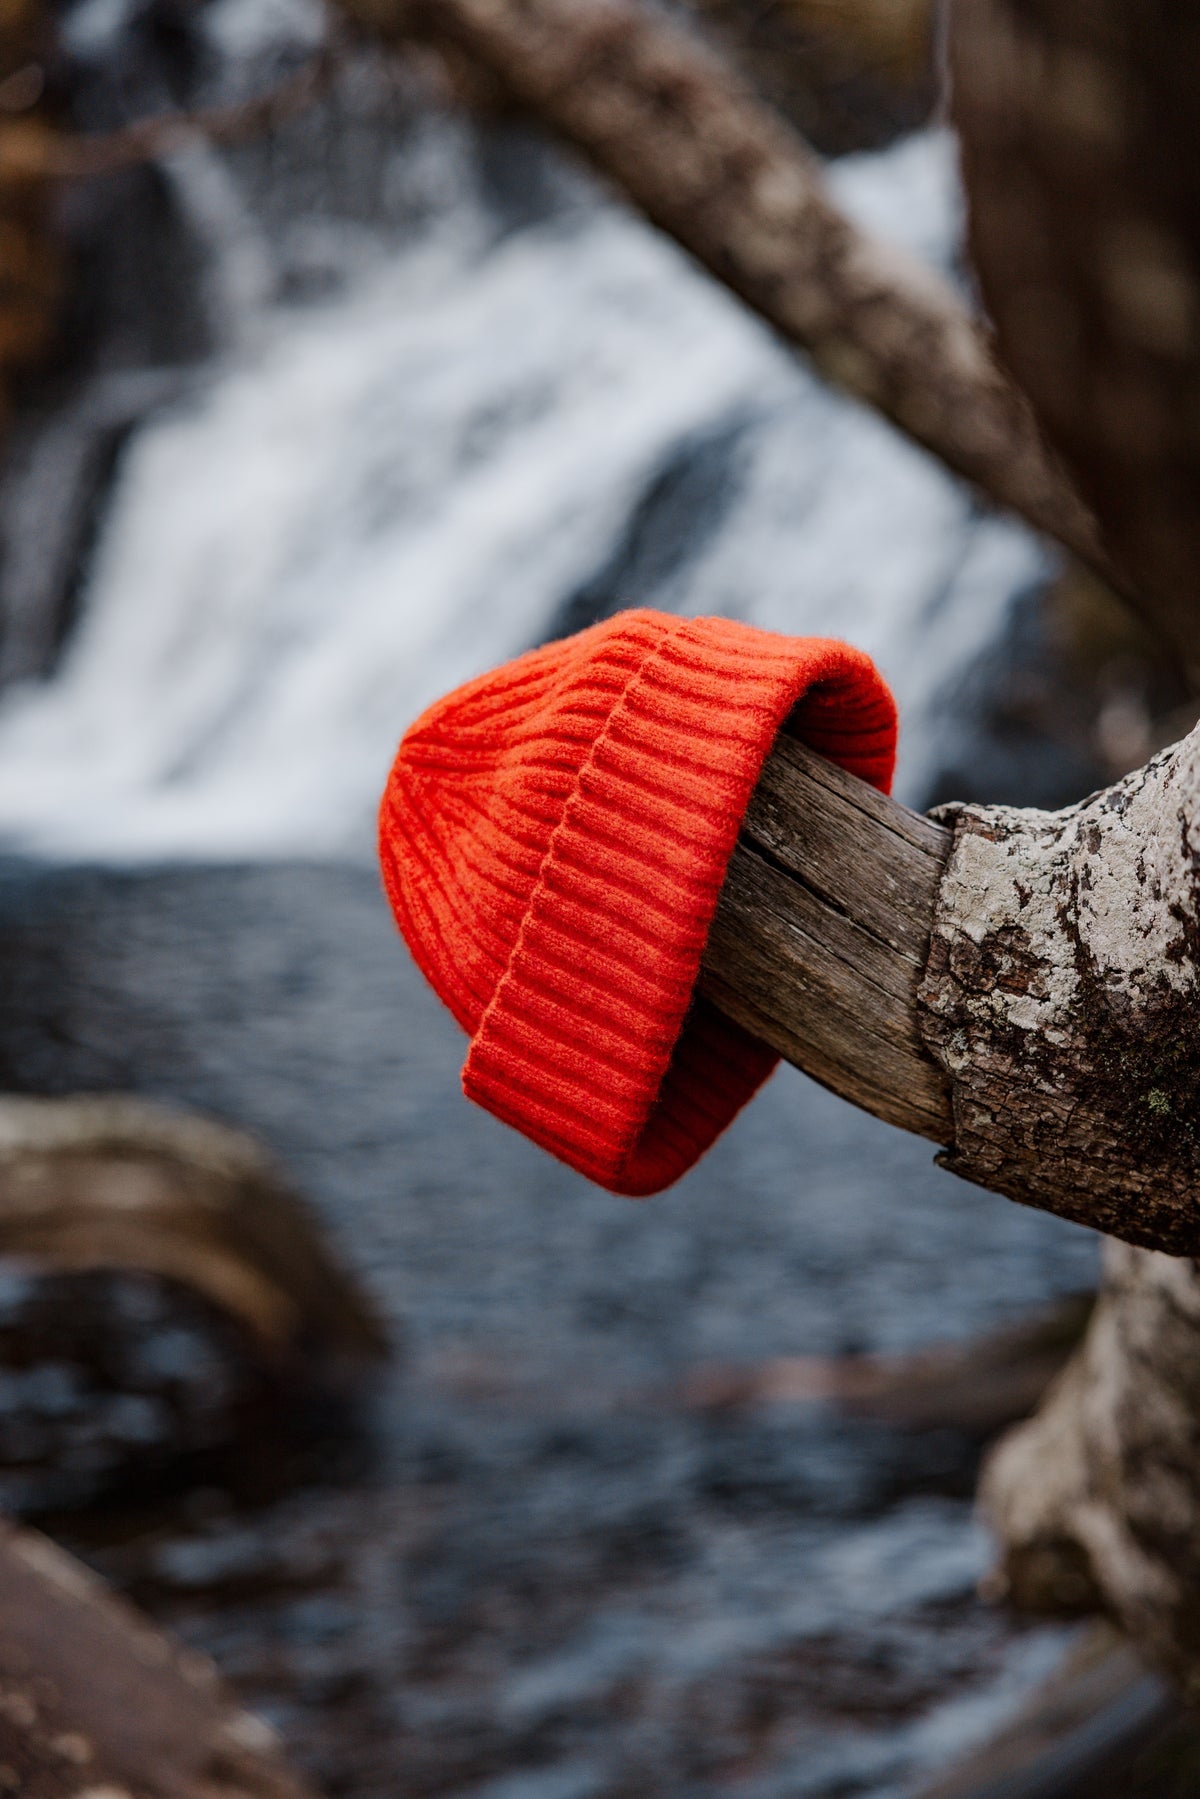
(553, 838)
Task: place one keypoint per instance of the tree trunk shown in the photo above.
(1078, 129)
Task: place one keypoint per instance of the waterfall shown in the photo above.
(478, 439)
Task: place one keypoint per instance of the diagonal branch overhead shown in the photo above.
(717, 169)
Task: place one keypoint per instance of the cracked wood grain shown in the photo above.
(821, 934)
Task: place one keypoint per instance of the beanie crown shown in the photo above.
(553, 839)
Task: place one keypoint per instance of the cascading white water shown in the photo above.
(376, 496)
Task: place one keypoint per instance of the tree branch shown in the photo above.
(719, 171)
(1024, 990)
(822, 932)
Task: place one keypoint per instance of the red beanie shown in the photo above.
(553, 839)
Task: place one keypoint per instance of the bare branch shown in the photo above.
(821, 936)
(1026, 993)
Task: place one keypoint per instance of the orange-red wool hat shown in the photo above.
(553, 839)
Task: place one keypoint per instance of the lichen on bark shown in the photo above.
(1062, 998)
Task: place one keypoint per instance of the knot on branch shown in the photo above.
(1062, 997)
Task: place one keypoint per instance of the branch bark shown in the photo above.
(1022, 987)
(719, 171)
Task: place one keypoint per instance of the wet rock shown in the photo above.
(117, 1382)
(164, 1297)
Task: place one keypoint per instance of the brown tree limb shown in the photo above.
(719, 171)
(821, 936)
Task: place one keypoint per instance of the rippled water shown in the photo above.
(554, 1566)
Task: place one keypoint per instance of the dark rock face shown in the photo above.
(121, 1387)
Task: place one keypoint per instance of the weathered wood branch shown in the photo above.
(719, 171)
(1023, 988)
(822, 933)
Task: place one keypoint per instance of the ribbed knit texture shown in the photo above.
(553, 839)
